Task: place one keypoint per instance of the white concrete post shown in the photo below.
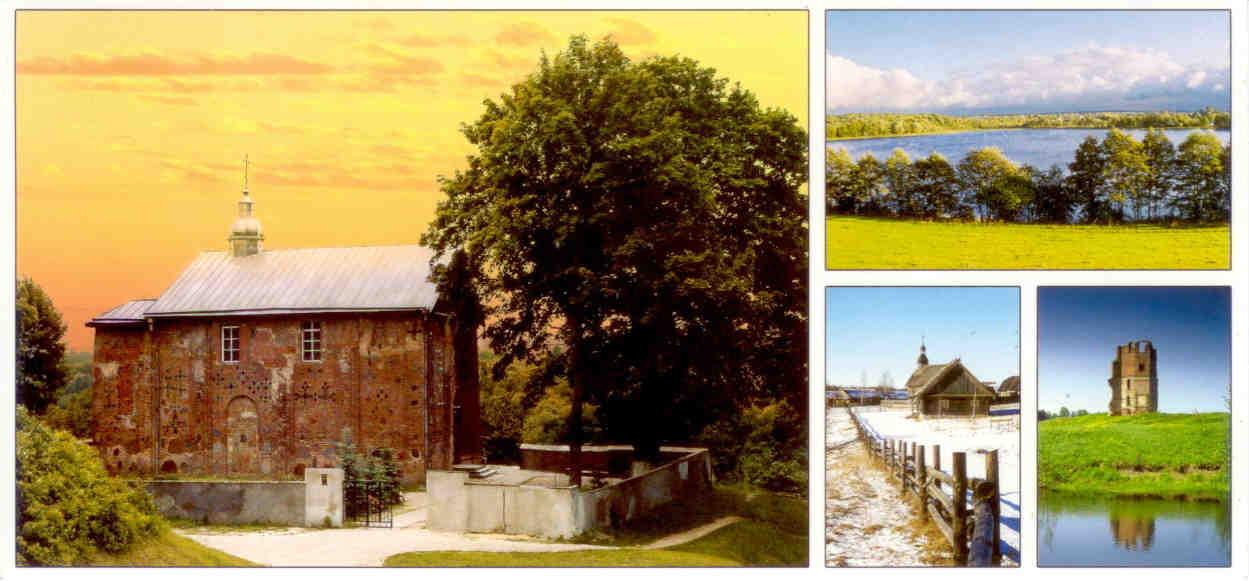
(323, 496)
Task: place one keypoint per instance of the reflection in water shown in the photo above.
(1143, 532)
(1132, 532)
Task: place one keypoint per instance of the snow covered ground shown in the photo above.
(963, 435)
(866, 522)
(838, 428)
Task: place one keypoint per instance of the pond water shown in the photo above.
(1075, 531)
(1039, 148)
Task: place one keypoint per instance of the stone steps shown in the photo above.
(476, 471)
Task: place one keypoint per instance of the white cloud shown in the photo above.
(1092, 77)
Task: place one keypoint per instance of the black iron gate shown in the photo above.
(366, 505)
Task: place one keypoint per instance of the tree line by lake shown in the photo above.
(861, 125)
(1116, 179)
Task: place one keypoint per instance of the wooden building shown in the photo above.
(1008, 392)
(947, 389)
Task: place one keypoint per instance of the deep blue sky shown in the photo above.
(1079, 327)
(983, 49)
(878, 329)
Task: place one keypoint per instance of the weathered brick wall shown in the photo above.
(122, 404)
(272, 413)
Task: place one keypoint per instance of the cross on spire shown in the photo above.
(245, 163)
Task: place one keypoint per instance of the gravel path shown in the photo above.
(693, 534)
(361, 547)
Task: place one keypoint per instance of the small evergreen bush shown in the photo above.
(379, 466)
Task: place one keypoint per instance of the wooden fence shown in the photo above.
(973, 534)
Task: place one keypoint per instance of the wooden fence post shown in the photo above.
(959, 501)
(936, 457)
(902, 467)
(921, 481)
(917, 480)
(991, 474)
(982, 535)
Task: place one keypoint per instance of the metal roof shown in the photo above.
(127, 313)
(362, 278)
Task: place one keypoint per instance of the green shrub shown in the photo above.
(765, 445)
(72, 413)
(68, 507)
(547, 421)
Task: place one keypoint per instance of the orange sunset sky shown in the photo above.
(132, 126)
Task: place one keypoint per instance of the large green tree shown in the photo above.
(1127, 174)
(1052, 202)
(899, 178)
(869, 185)
(1086, 181)
(1203, 194)
(643, 224)
(1160, 177)
(839, 178)
(937, 188)
(987, 174)
(40, 347)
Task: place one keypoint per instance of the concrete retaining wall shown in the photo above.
(293, 503)
(459, 504)
(613, 460)
(687, 477)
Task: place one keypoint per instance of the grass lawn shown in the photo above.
(169, 549)
(1154, 455)
(773, 534)
(855, 243)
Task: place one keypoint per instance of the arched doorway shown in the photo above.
(242, 436)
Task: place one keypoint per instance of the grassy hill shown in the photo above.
(168, 549)
(1159, 455)
(855, 243)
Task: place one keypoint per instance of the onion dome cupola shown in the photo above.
(923, 354)
(246, 234)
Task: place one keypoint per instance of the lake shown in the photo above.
(1039, 148)
(1075, 531)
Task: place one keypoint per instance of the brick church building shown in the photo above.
(260, 362)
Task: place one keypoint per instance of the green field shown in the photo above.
(855, 243)
(774, 533)
(1150, 455)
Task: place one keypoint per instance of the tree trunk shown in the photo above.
(575, 382)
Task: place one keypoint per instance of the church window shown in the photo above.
(311, 341)
(230, 344)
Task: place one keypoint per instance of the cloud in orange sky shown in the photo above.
(626, 31)
(399, 62)
(524, 34)
(150, 64)
(132, 125)
(433, 41)
(170, 100)
(498, 60)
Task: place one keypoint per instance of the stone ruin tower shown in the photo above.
(1134, 379)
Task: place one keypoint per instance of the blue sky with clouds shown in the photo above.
(1079, 328)
(874, 330)
(1027, 61)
